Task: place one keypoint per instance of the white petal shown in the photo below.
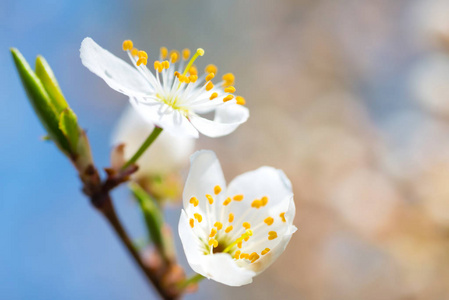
(167, 154)
(219, 267)
(205, 173)
(266, 260)
(227, 118)
(118, 74)
(164, 116)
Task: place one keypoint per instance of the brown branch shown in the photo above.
(98, 192)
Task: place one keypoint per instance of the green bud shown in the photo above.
(48, 80)
(41, 101)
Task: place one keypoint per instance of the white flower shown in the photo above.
(174, 97)
(232, 234)
(166, 155)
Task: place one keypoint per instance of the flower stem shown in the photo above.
(193, 279)
(147, 143)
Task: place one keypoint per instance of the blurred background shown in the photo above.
(349, 97)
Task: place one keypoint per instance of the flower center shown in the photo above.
(223, 233)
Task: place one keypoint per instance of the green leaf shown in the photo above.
(152, 214)
(40, 100)
(68, 124)
(48, 80)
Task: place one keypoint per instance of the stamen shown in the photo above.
(246, 225)
(269, 221)
(228, 229)
(227, 98)
(166, 64)
(244, 256)
(240, 100)
(256, 203)
(265, 251)
(198, 217)
(193, 70)
(174, 56)
(227, 201)
(213, 232)
(264, 200)
(209, 197)
(193, 78)
(194, 201)
(141, 61)
(209, 86)
(127, 45)
(134, 51)
(211, 69)
(282, 215)
(218, 225)
(164, 52)
(238, 197)
(237, 254)
(158, 66)
(192, 222)
(229, 89)
(272, 235)
(229, 78)
(231, 217)
(142, 54)
(213, 242)
(210, 76)
(253, 257)
(217, 189)
(213, 96)
(185, 54)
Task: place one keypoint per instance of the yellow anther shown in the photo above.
(193, 70)
(228, 98)
(213, 232)
(213, 96)
(193, 78)
(213, 242)
(141, 61)
(246, 225)
(240, 100)
(174, 56)
(157, 65)
(238, 197)
(237, 254)
(248, 232)
(210, 76)
(272, 235)
(177, 74)
(209, 197)
(209, 86)
(256, 203)
(192, 222)
(134, 51)
(282, 215)
(264, 200)
(127, 45)
(231, 217)
(218, 225)
(198, 217)
(166, 64)
(244, 256)
(164, 52)
(194, 201)
(229, 89)
(265, 251)
(227, 201)
(239, 244)
(217, 189)
(185, 54)
(142, 54)
(228, 229)
(211, 69)
(229, 78)
(253, 257)
(200, 51)
(269, 221)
